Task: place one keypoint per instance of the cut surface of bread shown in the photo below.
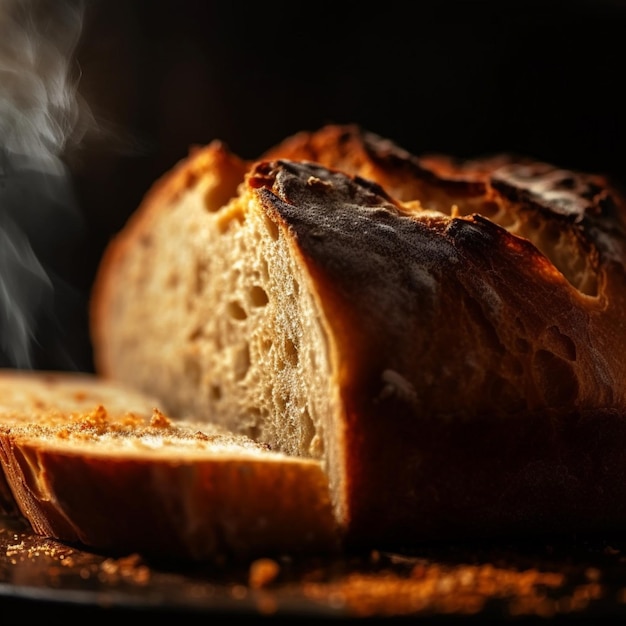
(93, 462)
(445, 337)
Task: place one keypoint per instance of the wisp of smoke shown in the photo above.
(40, 113)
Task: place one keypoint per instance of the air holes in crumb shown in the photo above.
(308, 432)
(215, 392)
(272, 228)
(291, 352)
(195, 334)
(172, 280)
(216, 197)
(265, 272)
(200, 276)
(242, 362)
(228, 219)
(258, 296)
(236, 311)
(212, 201)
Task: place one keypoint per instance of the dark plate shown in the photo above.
(563, 579)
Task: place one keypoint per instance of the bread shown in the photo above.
(93, 463)
(445, 336)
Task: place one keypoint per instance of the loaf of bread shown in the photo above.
(92, 463)
(446, 337)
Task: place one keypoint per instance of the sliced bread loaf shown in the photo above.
(445, 337)
(97, 464)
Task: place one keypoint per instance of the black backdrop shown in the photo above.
(539, 78)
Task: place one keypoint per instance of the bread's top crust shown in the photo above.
(402, 285)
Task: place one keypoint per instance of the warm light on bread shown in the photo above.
(434, 347)
(445, 336)
(95, 463)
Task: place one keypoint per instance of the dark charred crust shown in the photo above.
(478, 233)
(563, 193)
(390, 157)
(287, 178)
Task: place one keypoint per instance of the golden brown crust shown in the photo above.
(185, 509)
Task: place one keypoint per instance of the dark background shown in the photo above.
(540, 78)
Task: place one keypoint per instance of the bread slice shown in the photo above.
(446, 337)
(94, 463)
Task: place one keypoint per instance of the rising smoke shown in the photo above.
(41, 116)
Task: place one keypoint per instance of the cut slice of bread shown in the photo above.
(446, 337)
(95, 463)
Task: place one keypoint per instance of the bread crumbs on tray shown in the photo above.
(434, 588)
(126, 568)
(263, 572)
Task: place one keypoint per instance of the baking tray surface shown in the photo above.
(563, 578)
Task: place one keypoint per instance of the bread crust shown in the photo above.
(478, 385)
(474, 316)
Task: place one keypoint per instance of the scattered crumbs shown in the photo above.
(262, 572)
(58, 556)
(202, 436)
(380, 584)
(49, 549)
(159, 420)
(67, 561)
(13, 550)
(98, 418)
(434, 588)
(129, 568)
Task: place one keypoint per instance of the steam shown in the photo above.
(40, 115)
